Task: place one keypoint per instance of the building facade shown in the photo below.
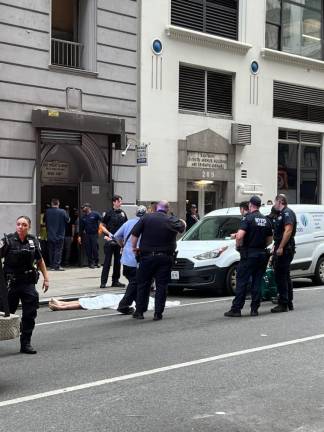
(68, 104)
(232, 101)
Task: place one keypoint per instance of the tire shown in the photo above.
(175, 290)
(318, 277)
(231, 280)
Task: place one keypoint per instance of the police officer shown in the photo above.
(89, 225)
(113, 220)
(252, 238)
(157, 245)
(21, 251)
(283, 252)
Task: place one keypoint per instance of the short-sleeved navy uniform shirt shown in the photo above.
(20, 256)
(90, 223)
(286, 217)
(158, 232)
(257, 228)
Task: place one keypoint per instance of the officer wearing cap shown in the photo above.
(252, 238)
(283, 252)
(158, 232)
(122, 236)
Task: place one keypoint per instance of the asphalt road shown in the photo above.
(193, 371)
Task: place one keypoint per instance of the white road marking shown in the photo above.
(222, 299)
(176, 366)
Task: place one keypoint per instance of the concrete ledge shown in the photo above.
(200, 38)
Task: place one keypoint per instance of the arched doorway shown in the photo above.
(75, 168)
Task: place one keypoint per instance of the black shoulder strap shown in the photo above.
(128, 235)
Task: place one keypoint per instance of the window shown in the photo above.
(299, 166)
(73, 34)
(295, 27)
(205, 91)
(216, 17)
(214, 228)
(298, 102)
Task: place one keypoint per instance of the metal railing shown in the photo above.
(66, 53)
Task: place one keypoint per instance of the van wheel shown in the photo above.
(230, 287)
(175, 290)
(318, 278)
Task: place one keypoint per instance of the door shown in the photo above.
(99, 195)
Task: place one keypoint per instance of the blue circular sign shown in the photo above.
(254, 67)
(157, 46)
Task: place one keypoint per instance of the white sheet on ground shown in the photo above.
(111, 301)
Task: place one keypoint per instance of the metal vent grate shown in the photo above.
(241, 134)
(298, 102)
(217, 17)
(60, 137)
(293, 135)
(310, 137)
(244, 174)
(219, 93)
(191, 89)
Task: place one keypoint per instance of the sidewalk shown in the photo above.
(74, 283)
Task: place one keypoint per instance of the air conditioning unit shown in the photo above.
(241, 134)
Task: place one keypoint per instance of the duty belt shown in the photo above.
(156, 253)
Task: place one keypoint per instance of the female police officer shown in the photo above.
(21, 251)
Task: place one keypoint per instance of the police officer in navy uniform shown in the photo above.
(22, 259)
(113, 220)
(157, 232)
(283, 253)
(252, 238)
(89, 225)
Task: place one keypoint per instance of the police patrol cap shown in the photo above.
(141, 210)
(255, 200)
(86, 205)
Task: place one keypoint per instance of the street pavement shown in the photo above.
(75, 282)
(193, 371)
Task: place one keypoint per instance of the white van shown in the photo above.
(207, 257)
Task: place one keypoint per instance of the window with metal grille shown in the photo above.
(205, 91)
(217, 17)
(298, 102)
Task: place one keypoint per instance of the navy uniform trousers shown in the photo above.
(27, 294)
(282, 276)
(111, 249)
(249, 270)
(159, 268)
(92, 248)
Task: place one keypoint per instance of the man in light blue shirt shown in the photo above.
(123, 237)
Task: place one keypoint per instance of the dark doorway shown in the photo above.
(68, 195)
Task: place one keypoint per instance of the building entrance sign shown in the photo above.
(55, 172)
(206, 160)
(142, 156)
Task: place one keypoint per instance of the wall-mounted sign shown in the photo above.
(53, 113)
(142, 154)
(55, 172)
(206, 160)
(95, 190)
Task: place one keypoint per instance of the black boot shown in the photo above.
(25, 346)
(280, 308)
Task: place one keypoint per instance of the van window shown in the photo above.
(213, 228)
